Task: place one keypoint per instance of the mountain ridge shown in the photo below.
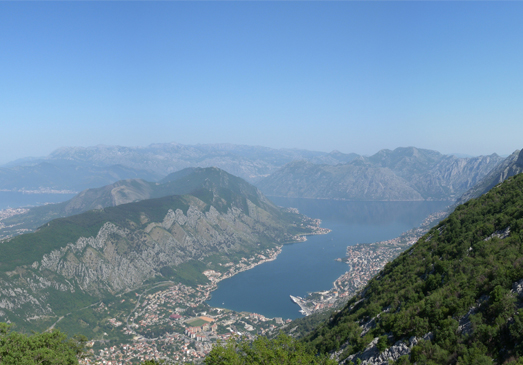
(511, 166)
(48, 175)
(77, 260)
(128, 191)
(403, 174)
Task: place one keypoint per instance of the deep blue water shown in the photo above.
(10, 199)
(309, 266)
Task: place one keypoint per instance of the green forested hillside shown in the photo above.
(70, 263)
(187, 181)
(456, 288)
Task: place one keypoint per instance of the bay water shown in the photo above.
(310, 266)
(13, 199)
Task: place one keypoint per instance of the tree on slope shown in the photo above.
(283, 350)
(47, 348)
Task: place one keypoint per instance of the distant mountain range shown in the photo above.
(77, 260)
(403, 174)
(248, 162)
(79, 168)
(52, 176)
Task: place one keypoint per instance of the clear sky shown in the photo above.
(351, 76)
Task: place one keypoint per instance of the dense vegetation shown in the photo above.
(300, 327)
(453, 287)
(47, 348)
(283, 350)
(22, 250)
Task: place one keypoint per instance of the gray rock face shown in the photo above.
(120, 258)
(352, 182)
(402, 174)
(511, 166)
(517, 288)
(501, 234)
(372, 356)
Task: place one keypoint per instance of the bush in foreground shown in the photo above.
(47, 348)
(283, 350)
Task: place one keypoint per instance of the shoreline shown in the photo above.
(365, 260)
(315, 230)
(278, 249)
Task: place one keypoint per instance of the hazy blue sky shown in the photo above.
(352, 76)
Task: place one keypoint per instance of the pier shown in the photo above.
(302, 303)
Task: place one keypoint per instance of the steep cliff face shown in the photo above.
(402, 174)
(356, 181)
(80, 259)
(511, 166)
(119, 258)
(451, 176)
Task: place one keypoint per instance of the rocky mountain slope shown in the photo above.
(75, 261)
(334, 158)
(511, 166)
(355, 181)
(454, 297)
(123, 192)
(402, 174)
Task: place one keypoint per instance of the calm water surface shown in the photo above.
(309, 266)
(10, 199)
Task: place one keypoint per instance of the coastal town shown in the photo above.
(8, 213)
(171, 321)
(365, 261)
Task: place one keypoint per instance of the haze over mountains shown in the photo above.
(159, 160)
(403, 174)
(111, 239)
(51, 176)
